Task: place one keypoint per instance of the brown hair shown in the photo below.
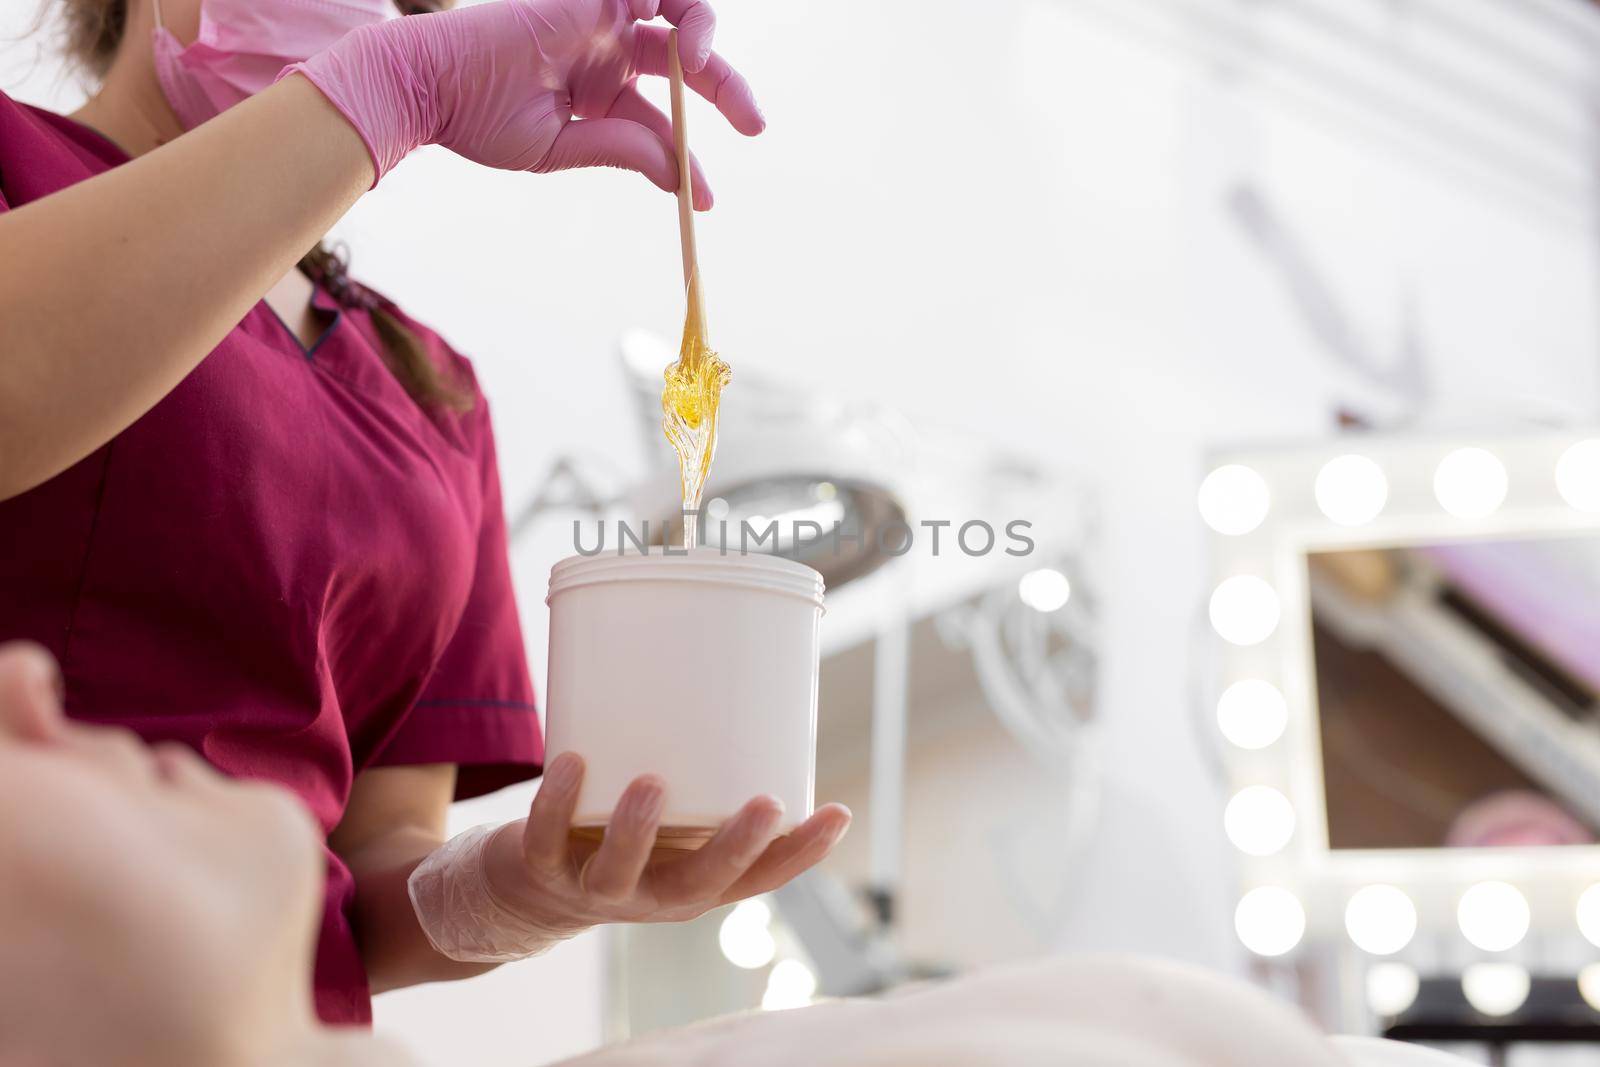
(428, 383)
(93, 32)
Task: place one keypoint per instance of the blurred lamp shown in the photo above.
(745, 935)
(1045, 590)
(790, 985)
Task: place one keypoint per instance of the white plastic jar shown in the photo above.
(700, 667)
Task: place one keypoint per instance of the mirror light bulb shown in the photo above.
(1252, 713)
(1234, 500)
(1391, 988)
(1493, 916)
(1244, 610)
(1578, 475)
(1470, 483)
(1496, 988)
(1589, 985)
(1589, 914)
(1269, 920)
(1380, 919)
(1351, 490)
(1259, 820)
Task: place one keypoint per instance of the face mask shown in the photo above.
(244, 44)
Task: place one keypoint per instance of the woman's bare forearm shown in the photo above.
(114, 289)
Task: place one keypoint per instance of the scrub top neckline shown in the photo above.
(114, 153)
(321, 300)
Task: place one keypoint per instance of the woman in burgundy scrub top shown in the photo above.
(254, 508)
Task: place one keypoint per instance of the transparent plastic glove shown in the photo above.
(502, 83)
(497, 894)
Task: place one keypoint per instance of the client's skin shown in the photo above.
(151, 910)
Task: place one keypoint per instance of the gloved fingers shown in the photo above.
(644, 10)
(706, 874)
(30, 702)
(544, 838)
(697, 24)
(717, 81)
(631, 104)
(612, 874)
(790, 856)
(612, 142)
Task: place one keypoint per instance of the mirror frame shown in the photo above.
(1276, 550)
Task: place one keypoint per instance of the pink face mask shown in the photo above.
(243, 44)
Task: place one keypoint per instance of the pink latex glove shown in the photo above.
(501, 83)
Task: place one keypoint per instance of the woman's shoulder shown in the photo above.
(42, 152)
(18, 120)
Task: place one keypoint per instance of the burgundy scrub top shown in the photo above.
(286, 564)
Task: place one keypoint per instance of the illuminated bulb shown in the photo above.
(1496, 988)
(1589, 914)
(1044, 590)
(1269, 920)
(1493, 916)
(1244, 610)
(1391, 988)
(1578, 475)
(717, 508)
(790, 985)
(1351, 490)
(1381, 920)
(1252, 713)
(745, 936)
(1259, 820)
(824, 490)
(1589, 985)
(1234, 500)
(755, 910)
(1470, 483)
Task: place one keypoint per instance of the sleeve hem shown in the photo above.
(494, 743)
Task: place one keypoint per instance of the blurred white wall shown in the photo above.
(1015, 216)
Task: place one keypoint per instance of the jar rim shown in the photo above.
(697, 566)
